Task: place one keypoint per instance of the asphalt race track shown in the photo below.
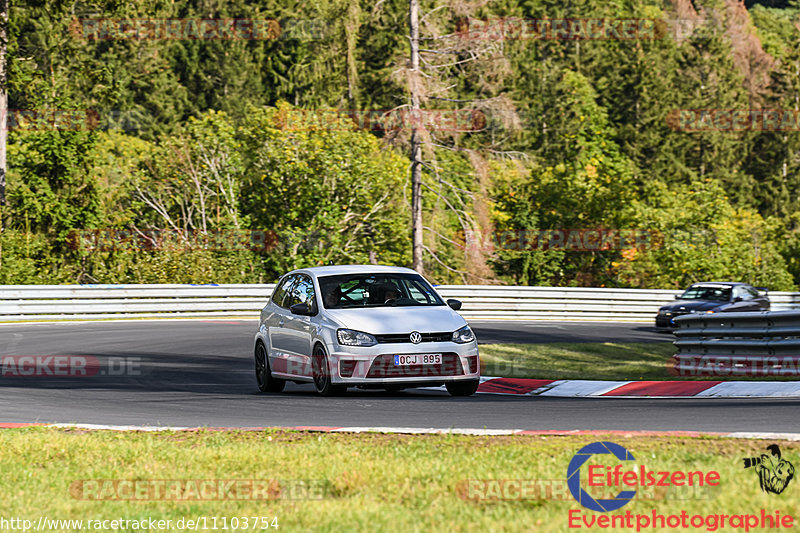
(515, 331)
(199, 373)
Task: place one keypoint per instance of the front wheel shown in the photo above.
(462, 388)
(266, 383)
(322, 374)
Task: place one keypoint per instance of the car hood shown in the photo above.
(384, 320)
(692, 305)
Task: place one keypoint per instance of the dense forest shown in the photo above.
(148, 146)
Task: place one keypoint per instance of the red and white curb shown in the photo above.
(639, 389)
(424, 431)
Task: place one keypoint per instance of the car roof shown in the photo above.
(718, 284)
(338, 270)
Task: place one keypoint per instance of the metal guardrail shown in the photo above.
(573, 303)
(71, 302)
(557, 303)
(82, 302)
(763, 343)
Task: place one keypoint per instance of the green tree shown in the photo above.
(700, 236)
(590, 187)
(328, 191)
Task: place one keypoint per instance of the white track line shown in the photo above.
(439, 431)
(752, 389)
(576, 388)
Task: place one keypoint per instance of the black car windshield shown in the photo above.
(716, 294)
(350, 291)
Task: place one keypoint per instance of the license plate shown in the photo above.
(418, 359)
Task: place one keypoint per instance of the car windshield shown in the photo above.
(376, 290)
(717, 294)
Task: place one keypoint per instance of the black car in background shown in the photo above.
(713, 297)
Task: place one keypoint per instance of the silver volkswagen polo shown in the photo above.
(363, 326)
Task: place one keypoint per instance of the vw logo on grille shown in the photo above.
(415, 337)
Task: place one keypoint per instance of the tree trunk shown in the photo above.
(3, 115)
(351, 26)
(3, 100)
(416, 144)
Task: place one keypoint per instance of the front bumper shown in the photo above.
(374, 365)
(665, 322)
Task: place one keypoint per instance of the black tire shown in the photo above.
(321, 374)
(462, 388)
(266, 382)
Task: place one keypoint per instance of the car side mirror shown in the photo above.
(300, 309)
(677, 296)
(738, 299)
(454, 304)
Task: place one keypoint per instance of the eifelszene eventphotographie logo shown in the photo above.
(606, 468)
(774, 472)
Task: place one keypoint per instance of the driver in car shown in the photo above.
(332, 297)
(391, 294)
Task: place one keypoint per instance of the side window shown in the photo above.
(281, 289)
(303, 293)
(753, 293)
(742, 292)
(419, 293)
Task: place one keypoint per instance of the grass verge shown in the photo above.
(370, 482)
(590, 360)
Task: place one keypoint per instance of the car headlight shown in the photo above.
(349, 337)
(463, 336)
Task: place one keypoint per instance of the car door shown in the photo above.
(297, 328)
(275, 322)
(760, 300)
(743, 300)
